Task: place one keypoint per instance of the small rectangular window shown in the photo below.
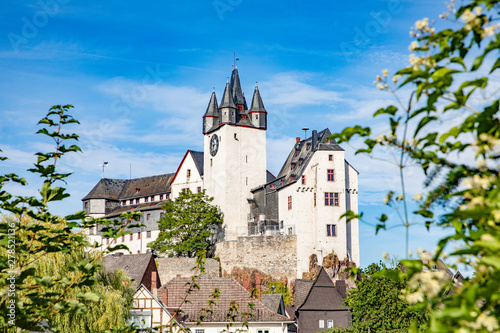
(189, 173)
(108, 203)
(136, 201)
(152, 198)
(161, 196)
(148, 234)
(131, 236)
(303, 180)
(138, 235)
(211, 162)
(86, 204)
(331, 175)
(330, 157)
(199, 189)
(331, 199)
(161, 215)
(290, 202)
(131, 202)
(146, 199)
(199, 330)
(107, 240)
(331, 230)
(148, 216)
(314, 199)
(330, 324)
(321, 324)
(123, 238)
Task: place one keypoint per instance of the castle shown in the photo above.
(315, 186)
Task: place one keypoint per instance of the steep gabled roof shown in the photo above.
(107, 188)
(135, 265)
(302, 288)
(198, 160)
(301, 155)
(323, 296)
(213, 107)
(122, 189)
(231, 292)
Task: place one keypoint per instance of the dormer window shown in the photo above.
(136, 201)
(161, 196)
(137, 190)
(240, 107)
(146, 199)
(307, 146)
(152, 198)
(300, 161)
(272, 186)
(292, 166)
(291, 178)
(282, 182)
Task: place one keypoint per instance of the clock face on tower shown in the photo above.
(214, 145)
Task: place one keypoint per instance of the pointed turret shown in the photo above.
(238, 97)
(211, 117)
(257, 112)
(227, 108)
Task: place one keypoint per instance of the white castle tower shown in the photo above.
(235, 153)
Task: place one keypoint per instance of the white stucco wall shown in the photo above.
(352, 192)
(182, 181)
(311, 221)
(239, 166)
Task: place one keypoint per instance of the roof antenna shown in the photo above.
(235, 60)
(104, 164)
(305, 129)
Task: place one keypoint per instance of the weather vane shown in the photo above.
(104, 164)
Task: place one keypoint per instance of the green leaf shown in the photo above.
(391, 110)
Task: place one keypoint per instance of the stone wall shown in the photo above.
(274, 256)
(169, 268)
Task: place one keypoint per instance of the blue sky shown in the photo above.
(140, 76)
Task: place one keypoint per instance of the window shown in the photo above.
(331, 230)
(188, 173)
(272, 186)
(148, 216)
(108, 203)
(199, 189)
(303, 180)
(321, 324)
(290, 202)
(138, 235)
(296, 152)
(138, 251)
(314, 199)
(199, 330)
(161, 196)
(330, 175)
(86, 204)
(131, 201)
(330, 157)
(161, 215)
(331, 199)
(148, 234)
(107, 240)
(257, 116)
(282, 182)
(137, 190)
(152, 198)
(123, 238)
(281, 224)
(307, 146)
(291, 178)
(329, 324)
(262, 331)
(292, 166)
(168, 196)
(131, 236)
(137, 200)
(211, 162)
(146, 199)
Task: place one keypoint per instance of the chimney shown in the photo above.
(341, 288)
(154, 288)
(314, 140)
(164, 296)
(257, 283)
(245, 282)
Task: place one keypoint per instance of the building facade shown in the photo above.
(315, 186)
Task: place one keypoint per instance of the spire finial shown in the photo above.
(256, 84)
(213, 89)
(228, 79)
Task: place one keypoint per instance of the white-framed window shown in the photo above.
(321, 324)
(265, 330)
(329, 324)
(331, 230)
(199, 330)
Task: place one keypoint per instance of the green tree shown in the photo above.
(31, 237)
(377, 303)
(187, 226)
(449, 127)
